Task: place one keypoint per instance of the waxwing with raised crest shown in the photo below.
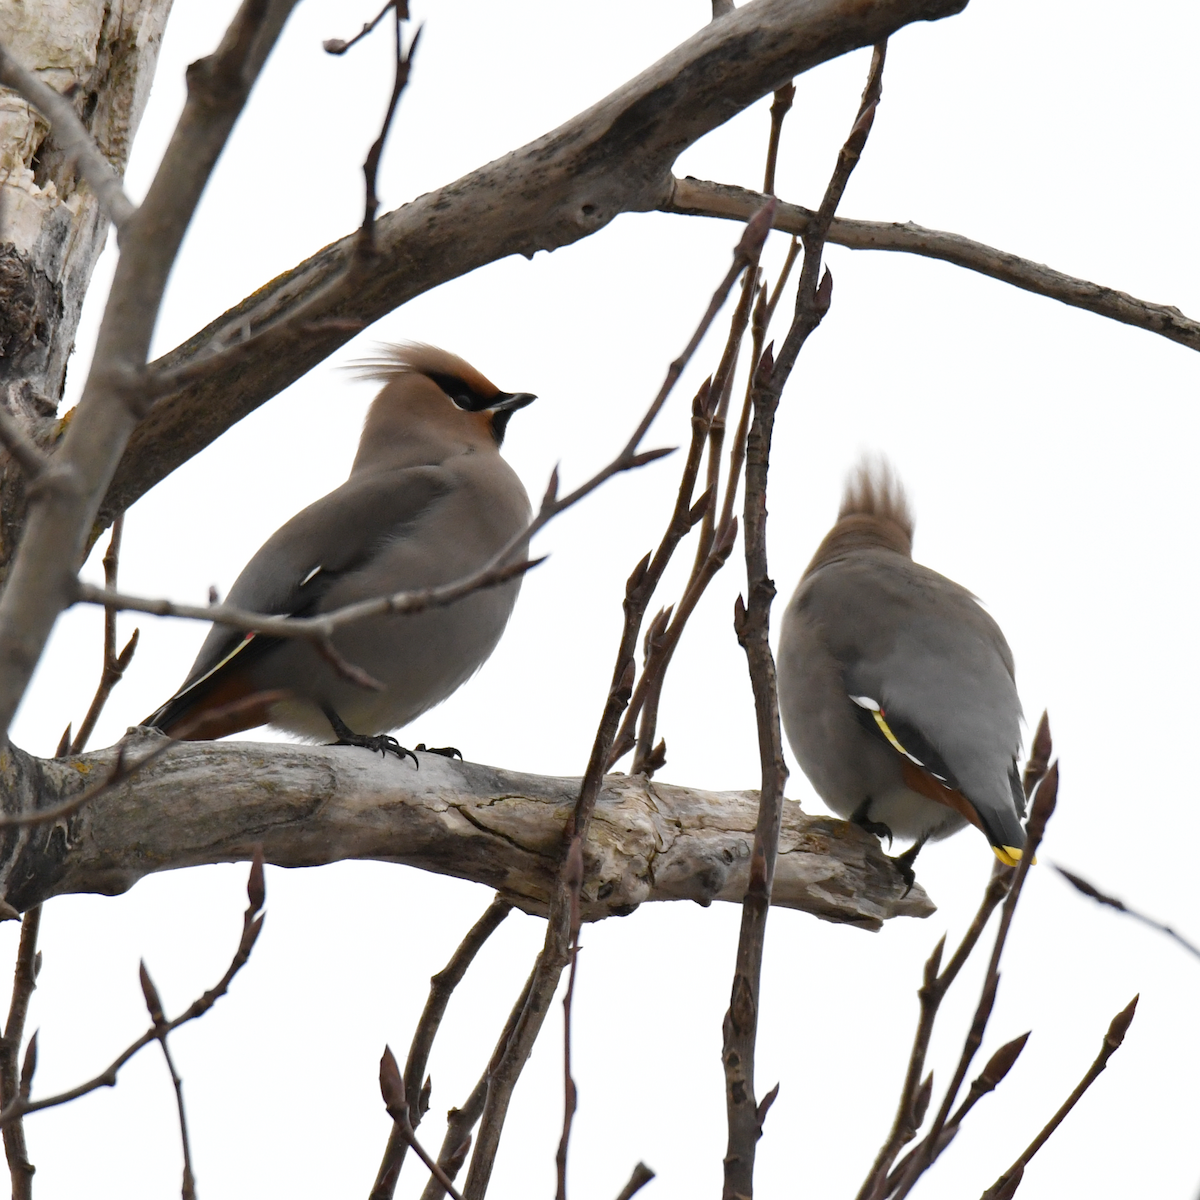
(428, 501)
(896, 688)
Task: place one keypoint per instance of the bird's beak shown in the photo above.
(503, 407)
(509, 402)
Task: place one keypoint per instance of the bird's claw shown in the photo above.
(904, 864)
(383, 742)
(444, 751)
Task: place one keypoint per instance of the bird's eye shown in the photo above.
(457, 391)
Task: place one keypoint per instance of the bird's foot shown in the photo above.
(382, 742)
(875, 828)
(904, 864)
(444, 751)
(878, 828)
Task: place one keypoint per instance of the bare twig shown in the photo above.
(784, 97)
(697, 197)
(391, 1085)
(441, 988)
(15, 440)
(573, 873)
(1038, 762)
(365, 247)
(930, 995)
(883, 1180)
(25, 974)
(1117, 1029)
(998, 1066)
(1082, 885)
(72, 138)
(638, 591)
(1043, 808)
(155, 1009)
(252, 922)
(460, 1121)
(638, 1180)
(319, 629)
(752, 624)
(337, 46)
(121, 770)
(114, 664)
(716, 538)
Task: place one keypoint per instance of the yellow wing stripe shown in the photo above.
(1010, 855)
(887, 733)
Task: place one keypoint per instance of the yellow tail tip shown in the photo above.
(1010, 855)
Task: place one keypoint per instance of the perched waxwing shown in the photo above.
(428, 501)
(896, 688)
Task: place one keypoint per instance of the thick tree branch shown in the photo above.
(208, 802)
(699, 198)
(615, 157)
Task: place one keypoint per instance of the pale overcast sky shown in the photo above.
(1050, 457)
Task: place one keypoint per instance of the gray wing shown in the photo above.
(295, 568)
(924, 649)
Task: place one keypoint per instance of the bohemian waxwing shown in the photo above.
(895, 686)
(428, 501)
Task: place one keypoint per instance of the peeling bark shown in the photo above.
(308, 805)
(51, 228)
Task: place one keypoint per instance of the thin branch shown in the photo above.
(15, 440)
(784, 98)
(456, 1145)
(188, 1190)
(883, 1180)
(638, 1180)
(321, 629)
(752, 624)
(1039, 756)
(72, 137)
(716, 539)
(391, 1085)
(574, 880)
(155, 1009)
(114, 664)
(25, 974)
(932, 991)
(252, 922)
(366, 234)
(441, 988)
(638, 591)
(1082, 885)
(698, 197)
(1043, 808)
(1117, 1029)
(337, 46)
(122, 771)
(989, 1078)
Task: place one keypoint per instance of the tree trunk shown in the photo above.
(103, 56)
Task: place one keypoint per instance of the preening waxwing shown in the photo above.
(428, 501)
(896, 688)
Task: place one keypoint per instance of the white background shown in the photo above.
(1050, 458)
